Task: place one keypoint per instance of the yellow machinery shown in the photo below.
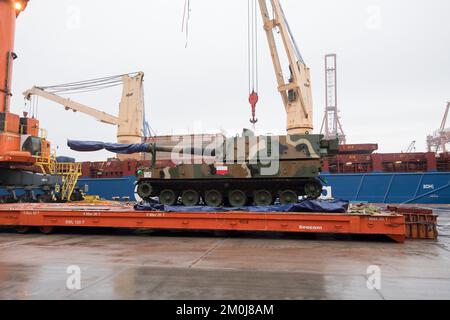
(69, 172)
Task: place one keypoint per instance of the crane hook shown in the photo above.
(253, 99)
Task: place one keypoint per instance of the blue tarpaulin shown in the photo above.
(91, 146)
(317, 206)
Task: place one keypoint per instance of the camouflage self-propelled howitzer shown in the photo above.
(241, 171)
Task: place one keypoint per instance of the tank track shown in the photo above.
(230, 191)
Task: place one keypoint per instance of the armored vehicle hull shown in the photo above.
(245, 170)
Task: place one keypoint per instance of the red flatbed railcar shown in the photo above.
(48, 216)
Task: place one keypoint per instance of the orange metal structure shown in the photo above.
(420, 223)
(12, 127)
(9, 10)
(48, 216)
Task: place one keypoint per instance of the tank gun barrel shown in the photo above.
(153, 148)
(92, 146)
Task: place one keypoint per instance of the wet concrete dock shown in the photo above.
(175, 265)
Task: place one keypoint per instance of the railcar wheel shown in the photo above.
(23, 229)
(237, 198)
(46, 230)
(313, 190)
(190, 198)
(213, 198)
(263, 198)
(144, 190)
(167, 197)
(288, 197)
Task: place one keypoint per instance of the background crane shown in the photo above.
(331, 125)
(411, 148)
(438, 141)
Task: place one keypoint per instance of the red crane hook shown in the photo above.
(253, 99)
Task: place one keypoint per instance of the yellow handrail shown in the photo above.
(69, 172)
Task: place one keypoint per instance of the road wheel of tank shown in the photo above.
(23, 229)
(263, 198)
(237, 198)
(144, 190)
(190, 198)
(313, 190)
(288, 197)
(46, 230)
(213, 198)
(168, 197)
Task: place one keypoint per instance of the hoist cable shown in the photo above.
(256, 45)
(87, 85)
(252, 46)
(82, 89)
(249, 48)
(253, 58)
(92, 81)
(291, 35)
(186, 18)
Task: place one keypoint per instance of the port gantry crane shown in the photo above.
(331, 125)
(439, 140)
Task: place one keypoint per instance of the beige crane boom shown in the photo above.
(296, 92)
(130, 118)
(72, 105)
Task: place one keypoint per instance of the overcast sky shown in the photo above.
(393, 60)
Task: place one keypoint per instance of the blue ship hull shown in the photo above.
(392, 188)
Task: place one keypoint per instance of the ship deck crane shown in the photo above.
(296, 90)
(439, 140)
(130, 120)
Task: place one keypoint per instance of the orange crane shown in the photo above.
(26, 161)
(13, 128)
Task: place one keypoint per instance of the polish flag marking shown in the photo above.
(222, 170)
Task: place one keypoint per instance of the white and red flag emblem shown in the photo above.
(222, 170)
